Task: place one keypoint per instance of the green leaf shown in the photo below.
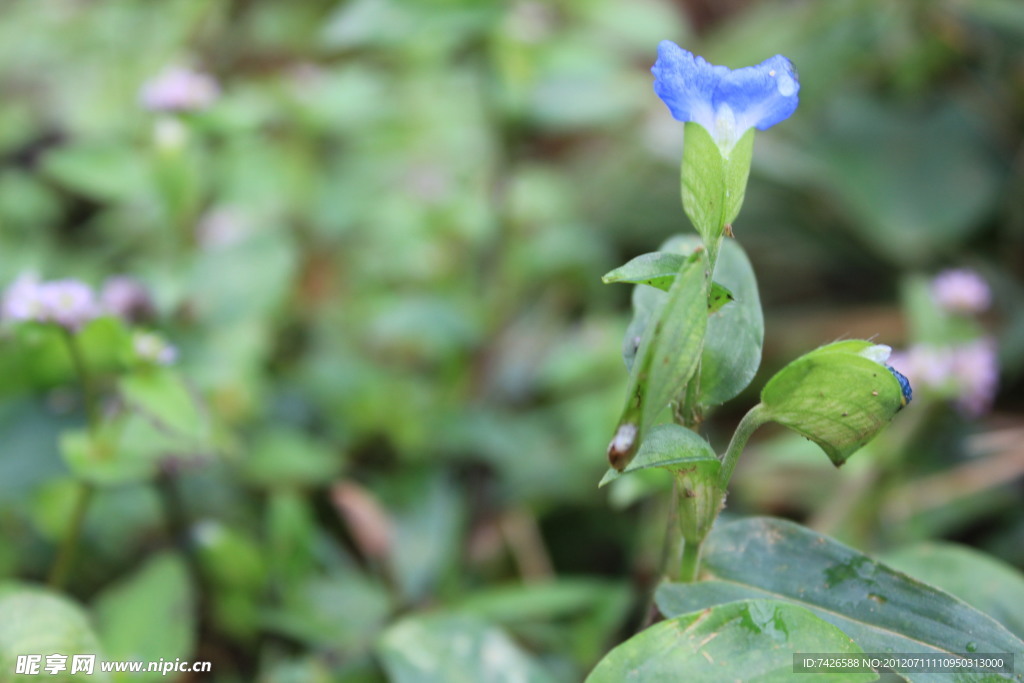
(161, 394)
(290, 458)
(36, 621)
(980, 580)
(735, 333)
(149, 615)
(748, 640)
(669, 351)
(670, 447)
(882, 609)
(713, 185)
(647, 301)
(835, 396)
(452, 648)
(718, 297)
(657, 269)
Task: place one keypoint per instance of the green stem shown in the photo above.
(754, 418)
(69, 544)
(89, 400)
(690, 564)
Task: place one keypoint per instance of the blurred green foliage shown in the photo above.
(379, 255)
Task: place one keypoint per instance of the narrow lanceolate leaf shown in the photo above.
(882, 609)
(657, 269)
(735, 333)
(667, 357)
(749, 640)
(713, 186)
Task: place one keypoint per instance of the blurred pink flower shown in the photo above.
(68, 303)
(961, 291)
(23, 299)
(976, 368)
(179, 89)
(968, 374)
(126, 297)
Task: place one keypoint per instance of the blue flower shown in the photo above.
(725, 102)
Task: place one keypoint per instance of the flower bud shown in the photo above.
(838, 396)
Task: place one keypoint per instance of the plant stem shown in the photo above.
(69, 544)
(690, 564)
(754, 418)
(89, 400)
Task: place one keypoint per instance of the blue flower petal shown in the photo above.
(726, 102)
(686, 83)
(760, 96)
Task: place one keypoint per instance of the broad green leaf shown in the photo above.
(102, 171)
(911, 199)
(290, 458)
(37, 621)
(657, 269)
(834, 396)
(882, 609)
(667, 357)
(149, 615)
(980, 580)
(713, 185)
(161, 394)
(670, 447)
(127, 448)
(751, 640)
(453, 648)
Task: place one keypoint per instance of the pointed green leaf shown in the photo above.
(735, 333)
(882, 609)
(748, 640)
(670, 447)
(668, 353)
(834, 396)
(713, 185)
(657, 269)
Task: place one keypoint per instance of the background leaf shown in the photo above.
(880, 608)
(745, 640)
(980, 580)
(452, 648)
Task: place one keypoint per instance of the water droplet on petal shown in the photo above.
(786, 85)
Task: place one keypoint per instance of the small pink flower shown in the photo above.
(976, 368)
(179, 89)
(23, 299)
(126, 297)
(961, 291)
(69, 303)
